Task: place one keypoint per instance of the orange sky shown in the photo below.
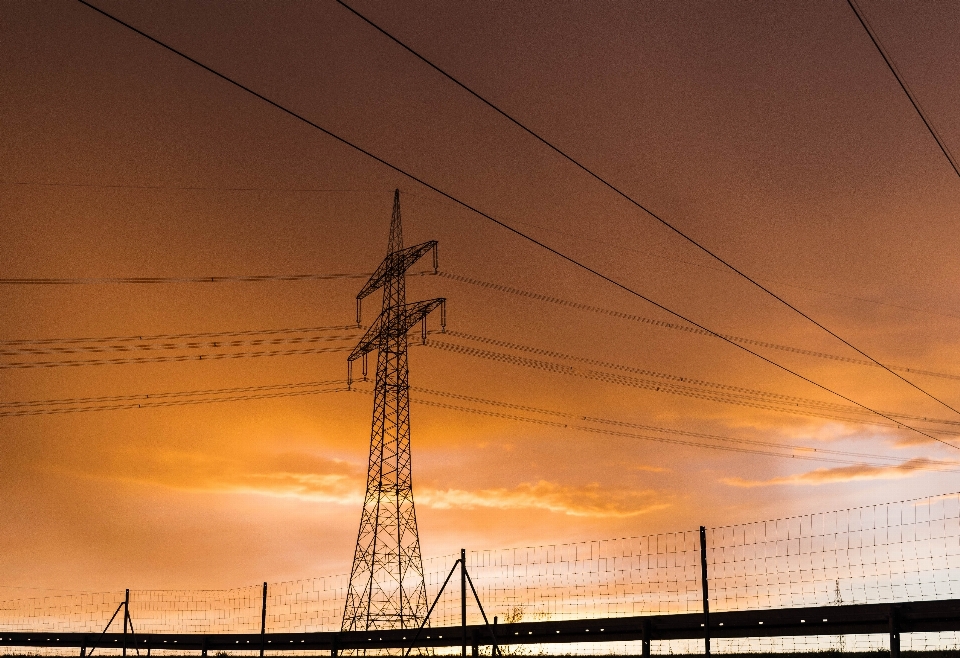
(775, 135)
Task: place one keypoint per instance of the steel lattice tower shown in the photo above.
(386, 581)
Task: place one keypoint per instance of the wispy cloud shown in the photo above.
(591, 500)
(585, 501)
(840, 474)
(334, 488)
(286, 474)
(321, 479)
(912, 439)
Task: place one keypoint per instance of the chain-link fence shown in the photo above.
(892, 552)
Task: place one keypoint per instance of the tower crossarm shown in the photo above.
(383, 329)
(396, 264)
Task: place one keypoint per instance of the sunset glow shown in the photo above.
(188, 434)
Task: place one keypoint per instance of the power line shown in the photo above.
(607, 421)
(155, 337)
(674, 260)
(482, 284)
(903, 85)
(675, 327)
(178, 399)
(272, 391)
(492, 219)
(919, 464)
(684, 381)
(173, 187)
(179, 358)
(153, 280)
(711, 392)
(662, 382)
(541, 297)
(254, 278)
(637, 204)
(165, 395)
(715, 437)
(152, 347)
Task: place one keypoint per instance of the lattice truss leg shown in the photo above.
(386, 581)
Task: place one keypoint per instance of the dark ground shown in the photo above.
(947, 653)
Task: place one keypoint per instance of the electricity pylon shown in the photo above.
(386, 581)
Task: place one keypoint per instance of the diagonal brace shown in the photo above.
(430, 611)
(385, 328)
(396, 264)
(495, 651)
(105, 629)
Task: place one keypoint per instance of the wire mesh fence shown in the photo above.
(902, 551)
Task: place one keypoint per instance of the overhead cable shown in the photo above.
(668, 379)
(662, 324)
(649, 379)
(653, 428)
(121, 186)
(166, 395)
(754, 400)
(154, 347)
(492, 219)
(903, 85)
(173, 358)
(253, 278)
(149, 401)
(518, 412)
(639, 205)
(40, 281)
(155, 337)
(916, 464)
(155, 280)
(541, 297)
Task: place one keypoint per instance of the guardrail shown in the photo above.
(892, 619)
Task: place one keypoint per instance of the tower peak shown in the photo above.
(396, 229)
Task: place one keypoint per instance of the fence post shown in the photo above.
(126, 616)
(646, 638)
(463, 601)
(706, 591)
(263, 621)
(494, 649)
(894, 632)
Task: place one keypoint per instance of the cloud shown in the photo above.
(316, 478)
(288, 474)
(347, 489)
(320, 487)
(297, 475)
(908, 439)
(589, 501)
(840, 474)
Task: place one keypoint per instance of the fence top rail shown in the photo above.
(943, 615)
